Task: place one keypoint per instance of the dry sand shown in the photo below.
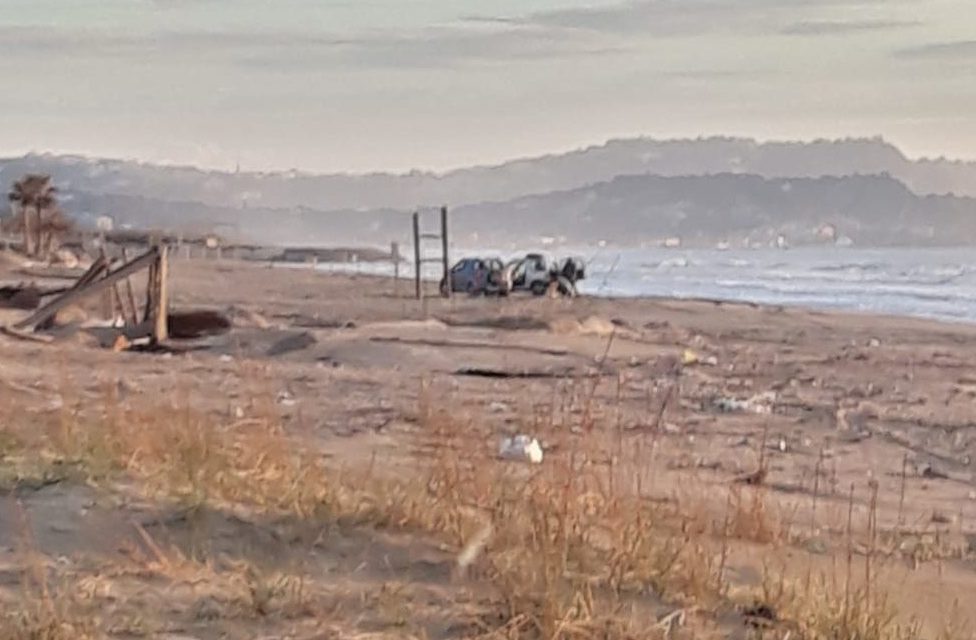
(853, 398)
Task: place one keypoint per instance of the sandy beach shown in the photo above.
(791, 443)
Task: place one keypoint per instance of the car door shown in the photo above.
(459, 275)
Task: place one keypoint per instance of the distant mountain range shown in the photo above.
(626, 191)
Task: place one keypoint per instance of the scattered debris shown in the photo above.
(285, 399)
(521, 447)
(760, 615)
(498, 407)
(756, 478)
(817, 546)
(674, 620)
(761, 403)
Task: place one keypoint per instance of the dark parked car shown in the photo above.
(478, 275)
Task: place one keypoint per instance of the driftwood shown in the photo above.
(485, 372)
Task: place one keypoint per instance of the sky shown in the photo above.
(394, 85)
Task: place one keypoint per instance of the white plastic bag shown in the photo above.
(521, 447)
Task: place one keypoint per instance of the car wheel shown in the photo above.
(538, 288)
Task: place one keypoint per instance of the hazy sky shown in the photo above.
(393, 84)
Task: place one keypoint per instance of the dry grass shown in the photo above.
(578, 547)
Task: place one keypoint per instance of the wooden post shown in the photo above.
(395, 257)
(416, 254)
(446, 291)
(160, 332)
(128, 289)
(150, 292)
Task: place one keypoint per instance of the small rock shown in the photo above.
(971, 495)
(928, 471)
(817, 546)
(207, 608)
(874, 343)
(498, 407)
(939, 517)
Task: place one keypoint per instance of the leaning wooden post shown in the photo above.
(160, 332)
(446, 291)
(416, 254)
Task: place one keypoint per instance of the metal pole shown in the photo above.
(446, 292)
(395, 256)
(416, 253)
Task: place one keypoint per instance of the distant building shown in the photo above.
(827, 232)
(672, 243)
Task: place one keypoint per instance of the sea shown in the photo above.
(920, 282)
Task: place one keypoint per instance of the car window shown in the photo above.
(459, 267)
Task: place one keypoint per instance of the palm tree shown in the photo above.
(34, 192)
(54, 224)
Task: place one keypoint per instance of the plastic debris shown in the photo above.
(521, 447)
(761, 403)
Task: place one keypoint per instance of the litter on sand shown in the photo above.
(521, 447)
(761, 403)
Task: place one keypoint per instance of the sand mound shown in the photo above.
(407, 324)
(591, 326)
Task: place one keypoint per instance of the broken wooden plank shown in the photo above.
(118, 305)
(26, 335)
(128, 288)
(88, 289)
(98, 266)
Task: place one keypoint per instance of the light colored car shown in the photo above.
(536, 272)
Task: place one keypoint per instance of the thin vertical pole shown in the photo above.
(395, 257)
(446, 291)
(416, 253)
